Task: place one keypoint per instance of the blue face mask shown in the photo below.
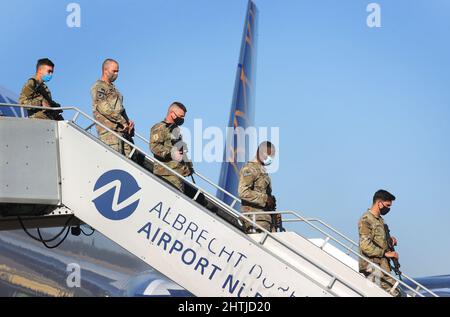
(47, 78)
(268, 161)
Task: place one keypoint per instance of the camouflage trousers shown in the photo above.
(173, 180)
(383, 280)
(116, 143)
(169, 177)
(265, 221)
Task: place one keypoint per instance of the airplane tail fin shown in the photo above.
(8, 97)
(242, 107)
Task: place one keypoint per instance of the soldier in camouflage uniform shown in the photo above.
(373, 244)
(108, 109)
(166, 143)
(255, 189)
(36, 93)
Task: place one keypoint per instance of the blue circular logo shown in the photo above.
(115, 193)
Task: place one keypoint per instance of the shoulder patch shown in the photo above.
(31, 82)
(100, 94)
(247, 171)
(156, 128)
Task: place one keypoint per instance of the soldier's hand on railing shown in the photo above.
(391, 255)
(45, 104)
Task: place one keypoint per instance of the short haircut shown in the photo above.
(383, 195)
(266, 145)
(107, 61)
(44, 62)
(178, 105)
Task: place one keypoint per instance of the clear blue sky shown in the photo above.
(359, 109)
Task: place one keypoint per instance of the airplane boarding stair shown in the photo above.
(200, 245)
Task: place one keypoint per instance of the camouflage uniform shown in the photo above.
(373, 245)
(163, 138)
(29, 96)
(255, 188)
(108, 109)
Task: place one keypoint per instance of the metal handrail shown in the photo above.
(323, 223)
(229, 209)
(349, 249)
